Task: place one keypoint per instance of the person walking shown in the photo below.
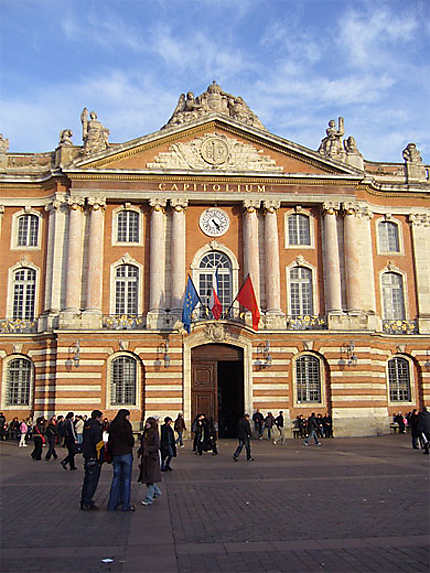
(312, 430)
(269, 422)
(167, 445)
(258, 420)
(244, 436)
(23, 428)
(52, 436)
(414, 425)
(202, 435)
(120, 444)
(279, 421)
(2, 427)
(92, 444)
(79, 429)
(38, 438)
(424, 429)
(71, 440)
(180, 428)
(150, 473)
(212, 436)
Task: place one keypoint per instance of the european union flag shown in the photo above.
(191, 299)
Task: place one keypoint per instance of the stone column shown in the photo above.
(74, 260)
(271, 244)
(332, 279)
(420, 224)
(156, 261)
(359, 272)
(251, 256)
(178, 253)
(93, 308)
(1, 216)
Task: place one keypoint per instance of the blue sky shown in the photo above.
(296, 63)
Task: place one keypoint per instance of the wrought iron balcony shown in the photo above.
(306, 322)
(400, 326)
(123, 321)
(17, 326)
(202, 314)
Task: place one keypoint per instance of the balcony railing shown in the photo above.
(400, 326)
(123, 321)
(201, 314)
(17, 326)
(306, 322)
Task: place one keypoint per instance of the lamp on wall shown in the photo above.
(264, 356)
(163, 350)
(76, 349)
(348, 350)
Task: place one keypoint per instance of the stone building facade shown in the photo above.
(97, 241)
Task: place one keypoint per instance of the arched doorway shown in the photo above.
(217, 385)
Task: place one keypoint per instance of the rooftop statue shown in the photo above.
(4, 144)
(65, 138)
(213, 100)
(331, 145)
(94, 134)
(411, 154)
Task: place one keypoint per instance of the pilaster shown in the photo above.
(250, 244)
(420, 225)
(178, 240)
(157, 263)
(274, 316)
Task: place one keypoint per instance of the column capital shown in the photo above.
(419, 219)
(158, 203)
(330, 207)
(357, 209)
(251, 205)
(96, 202)
(56, 203)
(178, 204)
(271, 205)
(75, 203)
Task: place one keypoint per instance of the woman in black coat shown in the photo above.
(71, 440)
(149, 453)
(202, 435)
(167, 445)
(51, 435)
(120, 445)
(38, 438)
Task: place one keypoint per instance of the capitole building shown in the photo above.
(98, 240)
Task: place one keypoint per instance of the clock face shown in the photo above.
(214, 222)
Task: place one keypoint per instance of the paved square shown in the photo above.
(352, 505)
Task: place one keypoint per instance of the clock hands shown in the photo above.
(215, 223)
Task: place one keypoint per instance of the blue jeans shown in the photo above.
(121, 482)
(152, 491)
(313, 435)
(240, 446)
(91, 480)
(179, 439)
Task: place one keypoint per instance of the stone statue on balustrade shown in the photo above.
(4, 148)
(213, 100)
(65, 138)
(415, 169)
(94, 135)
(331, 145)
(353, 156)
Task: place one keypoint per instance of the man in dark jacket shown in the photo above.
(424, 428)
(167, 445)
(244, 435)
(313, 427)
(93, 435)
(258, 420)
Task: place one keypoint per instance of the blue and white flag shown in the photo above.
(191, 300)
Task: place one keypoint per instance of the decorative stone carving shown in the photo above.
(179, 203)
(126, 259)
(65, 138)
(357, 209)
(158, 203)
(215, 332)
(331, 144)
(392, 267)
(123, 344)
(4, 144)
(251, 205)
(17, 348)
(415, 169)
(331, 207)
(300, 260)
(94, 134)
(419, 219)
(96, 202)
(75, 202)
(271, 206)
(214, 151)
(308, 344)
(353, 156)
(213, 100)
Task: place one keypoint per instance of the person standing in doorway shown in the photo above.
(244, 436)
(121, 442)
(71, 440)
(150, 473)
(167, 445)
(180, 428)
(91, 449)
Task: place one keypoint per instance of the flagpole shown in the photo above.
(229, 308)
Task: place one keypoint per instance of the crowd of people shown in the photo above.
(418, 424)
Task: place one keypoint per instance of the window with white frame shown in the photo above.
(301, 294)
(388, 237)
(399, 380)
(123, 384)
(299, 229)
(126, 289)
(128, 227)
(28, 231)
(215, 263)
(24, 294)
(393, 296)
(308, 379)
(18, 382)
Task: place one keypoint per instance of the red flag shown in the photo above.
(246, 297)
(214, 302)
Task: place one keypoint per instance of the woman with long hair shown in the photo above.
(150, 472)
(51, 435)
(120, 444)
(38, 438)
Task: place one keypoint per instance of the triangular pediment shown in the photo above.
(215, 145)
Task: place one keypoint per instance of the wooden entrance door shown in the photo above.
(204, 389)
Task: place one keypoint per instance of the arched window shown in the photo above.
(128, 227)
(388, 235)
(217, 263)
(126, 289)
(301, 295)
(393, 296)
(123, 381)
(399, 380)
(24, 291)
(28, 230)
(299, 231)
(308, 379)
(19, 374)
